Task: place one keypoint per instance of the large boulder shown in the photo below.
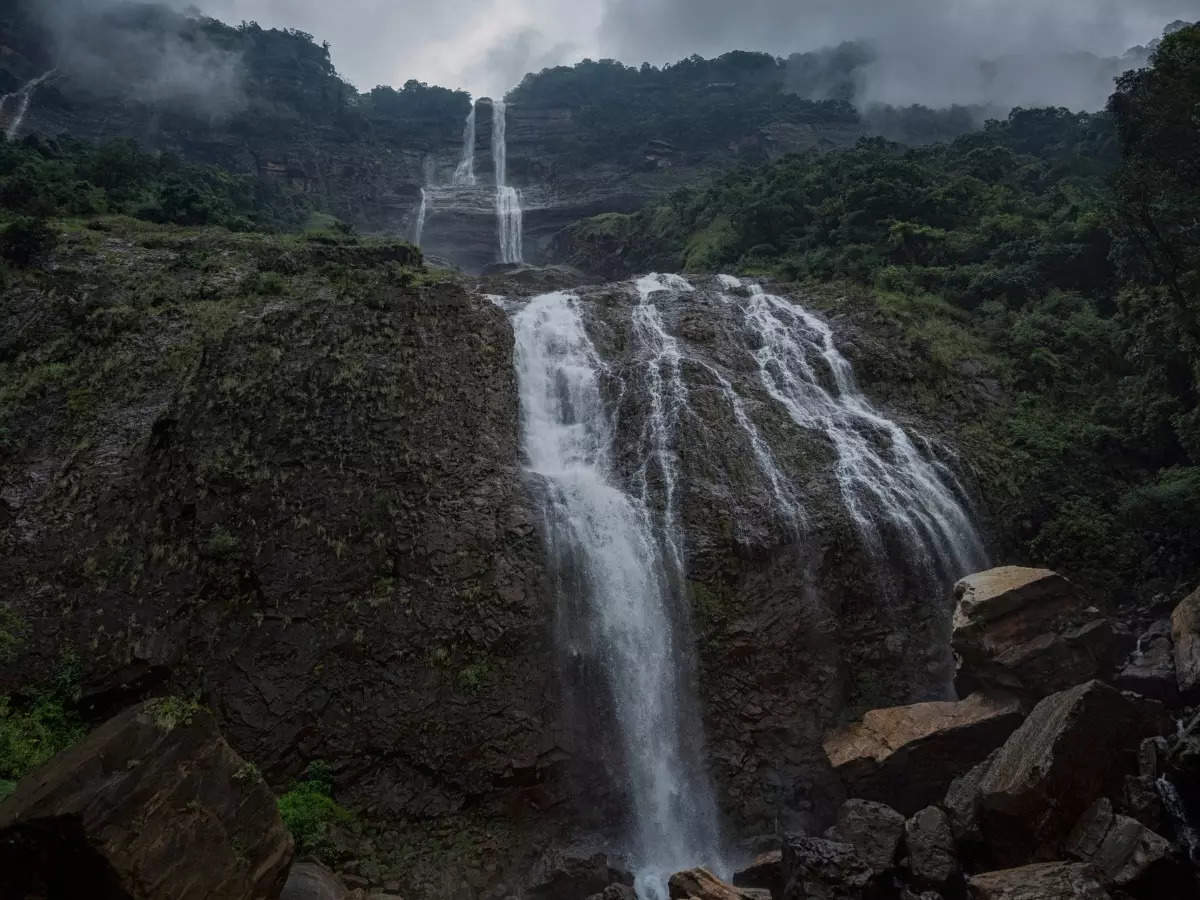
(1042, 881)
(932, 858)
(1150, 669)
(817, 869)
(565, 875)
(1029, 631)
(875, 830)
(150, 805)
(1075, 746)
(765, 872)
(701, 884)
(310, 880)
(906, 756)
(1185, 631)
(1131, 856)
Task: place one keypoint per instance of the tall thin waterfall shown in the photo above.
(464, 174)
(881, 474)
(422, 213)
(605, 539)
(18, 101)
(508, 200)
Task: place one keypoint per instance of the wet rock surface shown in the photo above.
(875, 830)
(152, 804)
(1042, 881)
(823, 870)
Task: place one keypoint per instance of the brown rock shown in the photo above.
(701, 884)
(151, 804)
(312, 881)
(906, 756)
(932, 859)
(1075, 746)
(1043, 881)
(1029, 631)
(875, 830)
(1185, 632)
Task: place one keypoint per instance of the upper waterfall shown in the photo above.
(508, 200)
(464, 174)
(20, 100)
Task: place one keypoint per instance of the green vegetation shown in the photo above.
(1057, 252)
(309, 811)
(65, 177)
(41, 722)
(171, 712)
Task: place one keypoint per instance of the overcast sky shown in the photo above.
(485, 46)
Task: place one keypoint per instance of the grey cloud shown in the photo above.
(98, 44)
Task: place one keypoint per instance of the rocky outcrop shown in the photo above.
(152, 804)
(1029, 631)
(1075, 746)
(906, 756)
(1185, 632)
(1042, 881)
(559, 875)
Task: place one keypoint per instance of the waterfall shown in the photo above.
(21, 98)
(508, 200)
(464, 174)
(422, 212)
(605, 539)
(879, 470)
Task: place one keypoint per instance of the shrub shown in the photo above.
(309, 811)
(31, 735)
(27, 239)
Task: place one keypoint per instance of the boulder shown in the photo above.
(312, 881)
(615, 892)
(906, 756)
(1042, 881)
(563, 875)
(701, 884)
(1150, 669)
(932, 859)
(1131, 856)
(962, 804)
(764, 873)
(1075, 746)
(151, 804)
(817, 869)
(875, 830)
(1185, 632)
(1141, 799)
(1029, 631)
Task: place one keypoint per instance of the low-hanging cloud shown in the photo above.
(148, 52)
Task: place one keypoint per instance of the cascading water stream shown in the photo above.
(464, 174)
(607, 538)
(20, 100)
(879, 470)
(422, 213)
(508, 200)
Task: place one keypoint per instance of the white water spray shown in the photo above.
(422, 213)
(508, 200)
(19, 101)
(464, 174)
(606, 537)
(881, 474)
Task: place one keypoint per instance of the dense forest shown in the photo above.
(1061, 246)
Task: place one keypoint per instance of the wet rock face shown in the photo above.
(1043, 881)
(1185, 632)
(152, 804)
(318, 521)
(817, 869)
